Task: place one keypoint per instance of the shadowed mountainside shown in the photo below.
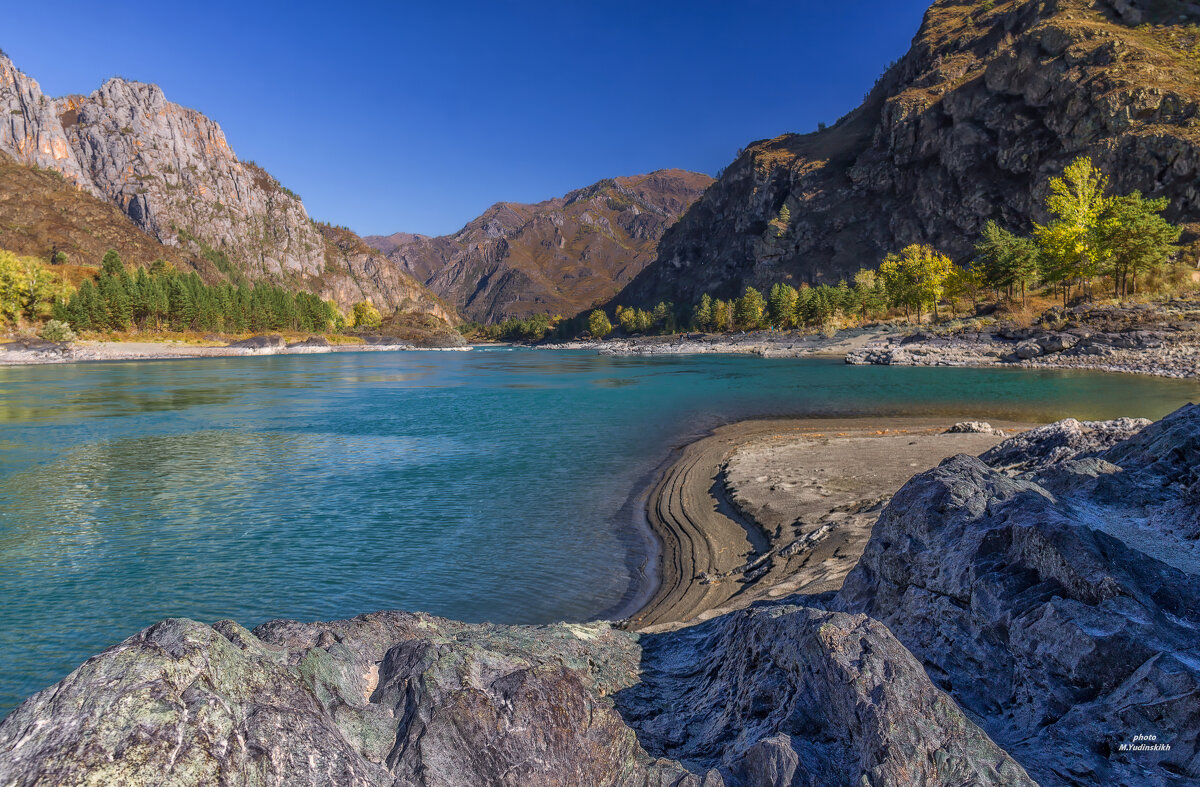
(992, 99)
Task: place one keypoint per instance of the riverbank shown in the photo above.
(25, 352)
(768, 508)
(1160, 339)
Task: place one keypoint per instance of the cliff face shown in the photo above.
(172, 172)
(558, 257)
(991, 101)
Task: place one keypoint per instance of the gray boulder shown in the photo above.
(781, 695)
(1053, 606)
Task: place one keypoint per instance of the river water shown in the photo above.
(486, 485)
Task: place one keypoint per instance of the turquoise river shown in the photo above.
(495, 484)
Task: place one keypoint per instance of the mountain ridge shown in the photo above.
(557, 256)
(172, 172)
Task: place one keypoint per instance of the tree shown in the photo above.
(1006, 260)
(11, 290)
(664, 317)
(748, 310)
(869, 295)
(781, 302)
(598, 324)
(1069, 243)
(111, 265)
(963, 282)
(39, 288)
(627, 318)
(365, 315)
(916, 277)
(702, 314)
(782, 221)
(1134, 239)
(722, 316)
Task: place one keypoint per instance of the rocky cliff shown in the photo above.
(560, 256)
(171, 171)
(1030, 614)
(992, 99)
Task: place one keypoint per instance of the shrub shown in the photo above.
(57, 331)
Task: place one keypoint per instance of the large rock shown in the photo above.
(1056, 602)
(384, 699)
(781, 695)
(787, 695)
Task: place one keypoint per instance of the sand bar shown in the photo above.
(766, 508)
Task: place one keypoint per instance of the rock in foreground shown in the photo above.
(401, 699)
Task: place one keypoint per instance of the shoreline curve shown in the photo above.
(715, 555)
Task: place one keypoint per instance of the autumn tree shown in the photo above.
(916, 277)
(1069, 243)
(598, 324)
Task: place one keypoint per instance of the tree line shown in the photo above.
(161, 298)
(1090, 236)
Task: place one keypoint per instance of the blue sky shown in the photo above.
(417, 116)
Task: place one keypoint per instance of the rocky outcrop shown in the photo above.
(173, 173)
(560, 256)
(785, 695)
(1056, 602)
(395, 698)
(991, 101)
(1162, 339)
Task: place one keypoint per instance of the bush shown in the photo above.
(57, 331)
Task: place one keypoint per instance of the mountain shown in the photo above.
(560, 256)
(992, 99)
(170, 171)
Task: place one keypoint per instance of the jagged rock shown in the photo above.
(312, 341)
(1056, 342)
(1054, 443)
(260, 343)
(1064, 621)
(788, 695)
(1027, 350)
(382, 699)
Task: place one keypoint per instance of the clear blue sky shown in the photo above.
(417, 116)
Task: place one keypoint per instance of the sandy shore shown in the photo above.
(18, 354)
(763, 509)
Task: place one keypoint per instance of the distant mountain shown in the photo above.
(558, 257)
(172, 173)
(992, 99)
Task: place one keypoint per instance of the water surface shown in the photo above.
(490, 485)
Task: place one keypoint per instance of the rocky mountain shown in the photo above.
(1027, 616)
(171, 171)
(992, 99)
(560, 256)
